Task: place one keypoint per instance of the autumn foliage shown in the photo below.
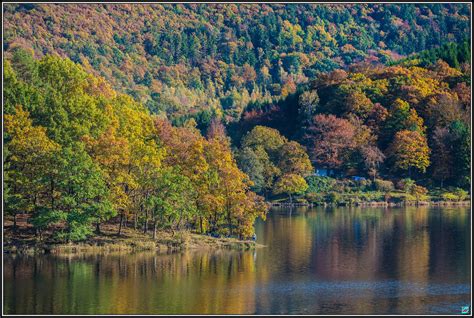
(79, 154)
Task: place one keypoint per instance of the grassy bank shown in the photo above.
(327, 191)
(25, 242)
(361, 203)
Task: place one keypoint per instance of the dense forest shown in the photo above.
(396, 122)
(190, 117)
(77, 153)
(212, 60)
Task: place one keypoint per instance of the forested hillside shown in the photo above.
(397, 121)
(77, 154)
(188, 116)
(204, 60)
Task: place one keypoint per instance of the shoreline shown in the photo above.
(166, 242)
(375, 204)
(131, 241)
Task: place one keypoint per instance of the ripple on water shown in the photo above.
(383, 289)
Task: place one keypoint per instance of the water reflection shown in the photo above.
(316, 261)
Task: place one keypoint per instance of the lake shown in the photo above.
(316, 261)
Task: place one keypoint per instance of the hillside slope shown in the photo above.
(204, 60)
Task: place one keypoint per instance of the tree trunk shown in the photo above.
(52, 194)
(120, 224)
(154, 229)
(229, 221)
(14, 223)
(97, 227)
(145, 225)
(214, 222)
(178, 224)
(200, 221)
(291, 200)
(135, 220)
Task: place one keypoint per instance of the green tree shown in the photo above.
(266, 143)
(402, 117)
(290, 184)
(83, 194)
(24, 63)
(307, 106)
(29, 164)
(461, 153)
(250, 163)
(442, 155)
(171, 200)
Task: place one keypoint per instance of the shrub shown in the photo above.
(301, 200)
(352, 200)
(383, 185)
(318, 184)
(339, 187)
(457, 194)
(365, 185)
(183, 237)
(406, 184)
(347, 188)
(419, 192)
(449, 196)
(314, 197)
(372, 196)
(461, 194)
(334, 197)
(401, 197)
(222, 232)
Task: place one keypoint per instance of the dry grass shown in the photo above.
(130, 240)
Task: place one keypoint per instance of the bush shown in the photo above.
(372, 196)
(314, 197)
(449, 196)
(76, 232)
(222, 232)
(301, 200)
(318, 184)
(401, 197)
(419, 192)
(406, 184)
(457, 194)
(461, 194)
(339, 187)
(334, 197)
(365, 185)
(353, 198)
(383, 185)
(184, 237)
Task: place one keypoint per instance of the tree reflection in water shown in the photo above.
(341, 260)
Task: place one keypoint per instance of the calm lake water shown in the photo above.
(316, 261)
